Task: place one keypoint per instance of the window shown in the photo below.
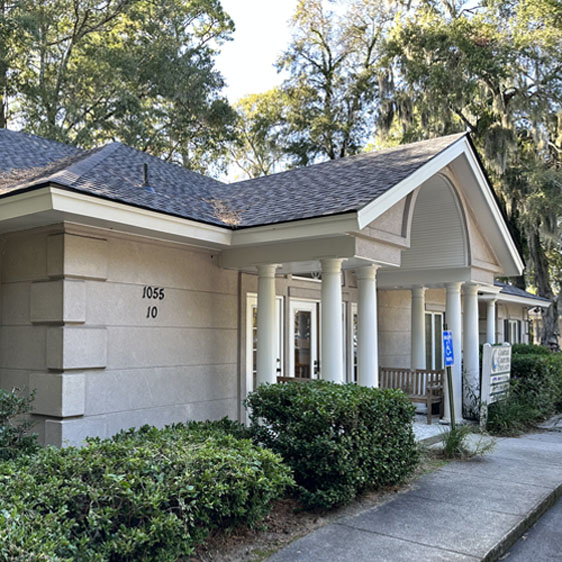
(434, 340)
(512, 331)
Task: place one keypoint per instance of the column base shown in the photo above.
(447, 421)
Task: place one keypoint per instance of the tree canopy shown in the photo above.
(138, 71)
(370, 72)
(494, 68)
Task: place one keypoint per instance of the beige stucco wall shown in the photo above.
(74, 326)
(23, 261)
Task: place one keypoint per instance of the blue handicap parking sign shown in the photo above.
(448, 348)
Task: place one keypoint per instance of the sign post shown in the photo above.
(449, 354)
(496, 372)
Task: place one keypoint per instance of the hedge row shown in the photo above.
(338, 439)
(535, 392)
(143, 495)
(15, 428)
(154, 494)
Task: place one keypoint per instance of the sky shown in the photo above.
(261, 35)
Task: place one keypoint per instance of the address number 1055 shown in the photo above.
(155, 293)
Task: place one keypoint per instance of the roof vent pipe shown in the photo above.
(145, 183)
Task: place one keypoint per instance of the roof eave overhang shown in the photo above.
(525, 301)
(50, 204)
(317, 227)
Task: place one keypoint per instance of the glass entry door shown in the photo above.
(303, 334)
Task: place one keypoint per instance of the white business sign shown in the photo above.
(496, 372)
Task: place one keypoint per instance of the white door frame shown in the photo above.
(251, 304)
(297, 305)
(433, 314)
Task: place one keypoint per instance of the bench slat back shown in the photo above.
(412, 382)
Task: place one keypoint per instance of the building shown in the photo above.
(130, 286)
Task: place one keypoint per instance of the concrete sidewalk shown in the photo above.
(466, 511)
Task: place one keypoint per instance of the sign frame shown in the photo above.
(496, 375)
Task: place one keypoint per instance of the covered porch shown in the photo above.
(418, 256)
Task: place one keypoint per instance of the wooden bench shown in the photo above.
(421, 385)
(294, 379)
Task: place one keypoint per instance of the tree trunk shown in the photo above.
(550, 328)
(3, 80)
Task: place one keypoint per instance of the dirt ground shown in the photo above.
(288, 521)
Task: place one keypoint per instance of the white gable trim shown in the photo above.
(381, 204)
(460, 147)
(492, 203)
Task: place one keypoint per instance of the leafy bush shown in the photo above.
(530, 348)
(338, 439)
(535, 393)
(15, 436)
(149, 494)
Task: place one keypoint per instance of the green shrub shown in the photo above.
(535, 393)
(144, 495)
(338, 439)
(530, 348)
(15, 436)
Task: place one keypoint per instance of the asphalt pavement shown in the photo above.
(541, 543)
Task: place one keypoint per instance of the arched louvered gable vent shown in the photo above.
(438, 232)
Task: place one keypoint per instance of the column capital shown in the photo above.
(418, 291)
(367, 272)
(267, 269)
(331, 265)
(454, 287)
(470, 288)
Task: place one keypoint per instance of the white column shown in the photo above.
(454, 323)
(266, 345)
(418, 328)
(470, 348)
(331, 344)
(367, 329)
(491, 322)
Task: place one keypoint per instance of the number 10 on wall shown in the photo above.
(152, 293)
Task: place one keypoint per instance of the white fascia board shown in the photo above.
(488, 292)
(318, 227)
(105, 211)
(395, 194)
(486, 191)
(22, 204)
(526, 301)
